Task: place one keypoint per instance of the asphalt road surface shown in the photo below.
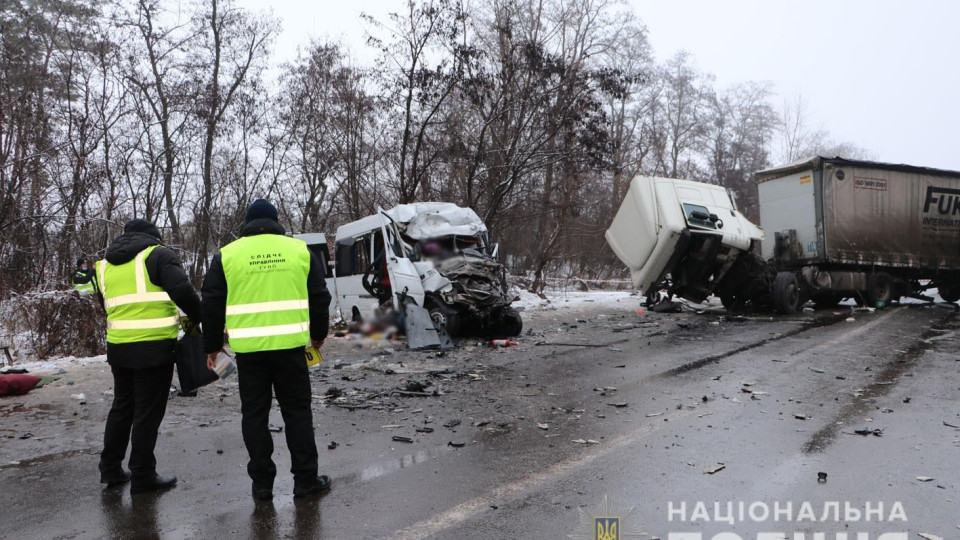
(599, 411)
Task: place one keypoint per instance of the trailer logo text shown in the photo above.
(946, 203)
(876, 184)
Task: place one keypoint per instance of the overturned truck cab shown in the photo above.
(688, 239)
(436, 255)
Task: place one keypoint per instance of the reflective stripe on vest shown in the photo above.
(267, 302)
(84, 287)
(137, 309)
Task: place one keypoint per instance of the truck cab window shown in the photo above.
(698, 216)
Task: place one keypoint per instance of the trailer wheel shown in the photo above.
(786, 293)
(880, 289)
(949, 293)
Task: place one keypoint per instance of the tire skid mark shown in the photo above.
(884, 382)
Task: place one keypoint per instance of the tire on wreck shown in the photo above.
(786, 293)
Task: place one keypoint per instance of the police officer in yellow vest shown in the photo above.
(140, 284)
(268, 291)
(82, 279)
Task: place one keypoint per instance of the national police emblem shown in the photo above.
(606, 522)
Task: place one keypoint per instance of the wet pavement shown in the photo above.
(548, 429)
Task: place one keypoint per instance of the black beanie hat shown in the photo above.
(261, 209)
(80, 261)
(144, 226)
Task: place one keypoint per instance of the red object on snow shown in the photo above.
(17, 384)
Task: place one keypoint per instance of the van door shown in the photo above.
(351, 256)
(404, 277)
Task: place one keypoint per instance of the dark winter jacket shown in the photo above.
(214, 292)
(82, 277)
(165, 271)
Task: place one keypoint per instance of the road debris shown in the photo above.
(822, 477)
(543, 426)
(452, 423)
(401, 438)
(817, 370)
(619, 404)
(928, 536)
(456, 444)
(585, 441)
(275, 429)
(333, 445)
(715, 469)
(878, 432)
(800, 416)
(925, 478)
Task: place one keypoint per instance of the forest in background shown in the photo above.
(535, 113)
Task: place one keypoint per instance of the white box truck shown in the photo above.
(835, 229)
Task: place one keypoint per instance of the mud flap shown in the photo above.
(420, 330)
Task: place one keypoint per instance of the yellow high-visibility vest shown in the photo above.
(137, 310)
(267, 299)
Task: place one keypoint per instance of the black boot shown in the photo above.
(152, 483)
(115, 479)
(320, 485)
(262, 493)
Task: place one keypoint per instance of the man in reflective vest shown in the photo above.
(268, 291)
(82, 279)
(140, 284)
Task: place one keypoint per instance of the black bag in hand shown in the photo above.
(192, 364)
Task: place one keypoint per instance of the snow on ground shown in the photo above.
(556, 299)
(55, 365)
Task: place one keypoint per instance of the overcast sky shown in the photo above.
(883, 74)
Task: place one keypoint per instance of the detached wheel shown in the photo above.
(446, 317)
(949, 293)
(786, 293)
(880, 289)
(510, 323)
(826, 300)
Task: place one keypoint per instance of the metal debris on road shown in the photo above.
(817, 370)
(800, 416)
(457, 444)
(821, 477)
(715, 469)
(401, 438)
(619, 404)
(543, 426)
(275, 429)
(925, 478)
(867, 431)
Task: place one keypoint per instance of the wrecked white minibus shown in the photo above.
(438, 256)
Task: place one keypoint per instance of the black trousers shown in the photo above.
(139, 403)
(284, 372)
